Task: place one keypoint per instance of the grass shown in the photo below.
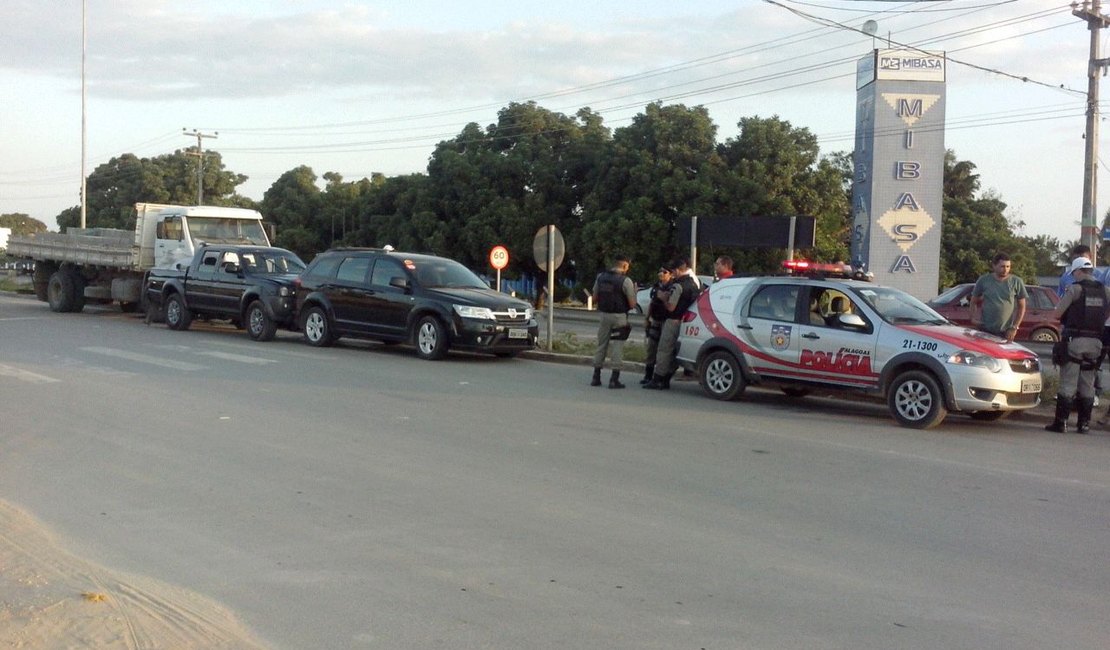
(568, 343)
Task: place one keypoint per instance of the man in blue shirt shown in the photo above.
(1102, 274)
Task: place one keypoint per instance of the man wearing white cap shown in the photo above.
(1083, 309)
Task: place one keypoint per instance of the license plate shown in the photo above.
(1030, 385)
(518, 334)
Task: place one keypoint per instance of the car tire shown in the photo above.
(260, 326)
(988, 416)
(430, 338)
(40, 279)
(1044, 335)
(720, 376)
(317, 328)
(178, 317)
(916, 400)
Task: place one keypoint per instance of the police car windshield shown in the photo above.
(898, 307)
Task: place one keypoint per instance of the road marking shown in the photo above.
(26, 375)
(15, 318)
(144, 358)
(240, 358)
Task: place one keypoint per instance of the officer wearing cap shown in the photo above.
(615, 296)
(653, 323)
(1083, 309)
(678, 297)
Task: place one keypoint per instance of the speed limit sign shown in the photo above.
(499, 257)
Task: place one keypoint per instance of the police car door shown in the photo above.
(834, 349)
(771, 329)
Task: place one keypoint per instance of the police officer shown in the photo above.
(682, 293)
(615, 295)
(1083, 309)
(656, 317)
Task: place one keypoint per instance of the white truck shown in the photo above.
(108, 264)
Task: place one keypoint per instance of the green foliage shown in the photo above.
(21, 224)
(114, 187)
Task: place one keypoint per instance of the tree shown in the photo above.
(114, 187)
(292, 204)
(21, 224)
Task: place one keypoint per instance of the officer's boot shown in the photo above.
(1084, 407)
(615, 380)
(596, 381)
(1063, 410)
(649, 370)
(659, 382)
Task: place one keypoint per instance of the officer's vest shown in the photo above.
(1086, 316)
(610, 293)
(689, 295)
(656, 309)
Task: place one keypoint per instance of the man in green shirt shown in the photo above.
(998, 300)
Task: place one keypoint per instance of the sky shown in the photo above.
(364, 87)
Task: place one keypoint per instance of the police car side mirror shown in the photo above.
(852, 321)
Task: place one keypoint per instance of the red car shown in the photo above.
(955, 305)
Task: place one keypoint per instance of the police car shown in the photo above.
(803, 333)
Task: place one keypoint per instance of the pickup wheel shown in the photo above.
(431, 339)
(259, 325)
(720, 376)
(66, 291)
(916, 401)
(317, 327)
(178, 317)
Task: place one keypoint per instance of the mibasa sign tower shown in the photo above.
(898, 188)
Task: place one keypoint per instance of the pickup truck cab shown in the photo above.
(251, 286)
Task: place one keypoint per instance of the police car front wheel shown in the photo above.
(916, 401)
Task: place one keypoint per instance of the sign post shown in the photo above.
(548, 248)
(499, 259)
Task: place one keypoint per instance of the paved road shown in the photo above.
(358, 497)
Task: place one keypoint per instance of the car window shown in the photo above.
(385, 269)
(324, 267)
(353, 269)
(445, 273)
(950, 295)
(1039, 298)
(826, 304)
(775, 302)
(266, 263)
(898, 307)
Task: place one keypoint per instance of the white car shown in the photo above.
(806, 333)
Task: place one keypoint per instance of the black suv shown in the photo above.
(432, 302)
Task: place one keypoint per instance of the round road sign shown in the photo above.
(539, 248)
(499, 257)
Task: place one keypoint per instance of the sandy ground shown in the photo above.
(50, 599)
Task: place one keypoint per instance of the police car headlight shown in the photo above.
(466, 311)
(975, 359)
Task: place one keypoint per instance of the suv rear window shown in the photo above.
(324, 267)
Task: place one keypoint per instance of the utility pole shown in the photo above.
(1089, 233)
(199, 153)
(84, 120)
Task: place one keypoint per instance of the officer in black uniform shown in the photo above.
(1083, 310)
(680, 295)
(615, 294)
(654, 320)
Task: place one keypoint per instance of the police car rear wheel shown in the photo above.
(720, 376)
(916, 401)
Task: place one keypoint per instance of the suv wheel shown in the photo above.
(720, 376)
(431, 339)
(317, 328)
(178, 316)
(916, 401)
(260, 326)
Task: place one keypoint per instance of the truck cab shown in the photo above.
(176, 232)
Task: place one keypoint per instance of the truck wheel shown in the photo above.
(720, 376)
(61, 292)
(431, 339)
(317, 328)
(260, 326)
(916, 401)
(41, 279)
(178, 316)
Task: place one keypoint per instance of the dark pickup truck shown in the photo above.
(251, 286)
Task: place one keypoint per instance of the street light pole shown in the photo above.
(84, 121)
